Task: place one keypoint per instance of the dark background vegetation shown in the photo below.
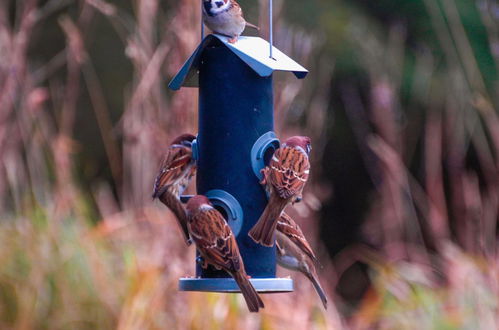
(325, 18)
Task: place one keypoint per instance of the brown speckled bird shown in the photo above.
(225, 17)
(175, 173)
(217, 245)
(284, 178)
(294, 252)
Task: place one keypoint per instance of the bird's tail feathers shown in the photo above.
(250, 295)
(263, 231)
(158, 191)
(252, 26)
(174, 204)
(317, 286)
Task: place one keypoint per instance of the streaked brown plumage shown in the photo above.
(217, 245)
(290, 228)
(294, 252)
(284, 178)
(175, 172)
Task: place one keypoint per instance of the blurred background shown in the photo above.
(402, 206)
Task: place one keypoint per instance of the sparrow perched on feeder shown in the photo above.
(217, 245)
(284, 178)
(225, 17)
(175, 173)
(294, 252)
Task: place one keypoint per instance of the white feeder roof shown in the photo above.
(254, 51)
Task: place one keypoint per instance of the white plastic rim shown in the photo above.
(262, 285)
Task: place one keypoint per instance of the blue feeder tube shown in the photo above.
(235, 137)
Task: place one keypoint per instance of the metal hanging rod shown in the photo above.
(202, 24)
(271, 37)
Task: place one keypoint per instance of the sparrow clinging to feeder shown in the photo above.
(225, 17)
(284, 178)
(175, 173)
(217, 245)
(294, 252)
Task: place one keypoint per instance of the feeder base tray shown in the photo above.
(263, 285)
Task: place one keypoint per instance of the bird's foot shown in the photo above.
(263, 181)
(279, 249)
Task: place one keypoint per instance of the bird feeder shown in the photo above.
(234, 141)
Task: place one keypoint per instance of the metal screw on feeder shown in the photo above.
(236, 122)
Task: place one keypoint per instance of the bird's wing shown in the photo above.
(237, 8)
(215, 240)
(173, 166)
(288, 227)
(289, 170)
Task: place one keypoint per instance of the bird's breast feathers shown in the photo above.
(288, 261)
(229, 22)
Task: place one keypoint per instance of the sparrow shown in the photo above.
(176, 171)
(294, 252)
(284, 179)
(225, 17)
(217, 246)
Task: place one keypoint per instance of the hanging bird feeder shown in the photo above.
(235, 139)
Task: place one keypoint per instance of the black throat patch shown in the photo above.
(207, 8)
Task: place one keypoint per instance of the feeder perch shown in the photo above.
(234, 142)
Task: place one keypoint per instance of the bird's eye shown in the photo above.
(309, 148)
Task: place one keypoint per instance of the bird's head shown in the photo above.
(214, 7)
(303, 142)
(198, 203)
(184, 140)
